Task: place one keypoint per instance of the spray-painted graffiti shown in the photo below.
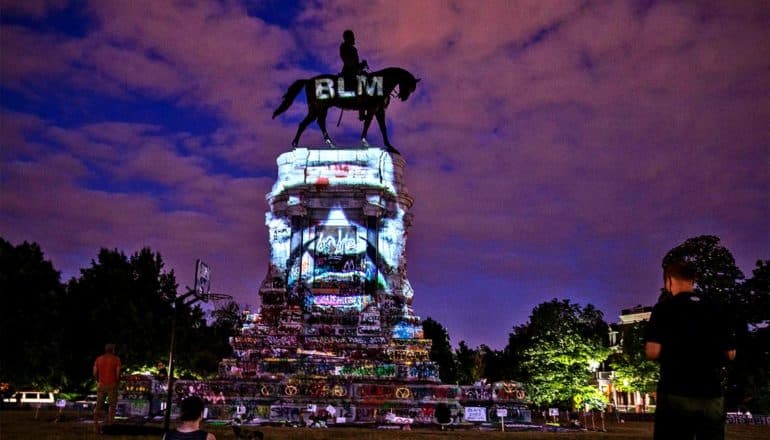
(423, 371)
(509, 391)
(260, 399)
(407, 355)
(423, 414)
(476, 393)
(213, 393)
(378, 371)
(138, 387)
(350, 340)
(379, 392)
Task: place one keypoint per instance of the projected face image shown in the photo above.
(334, 261)
(334, 268)
(280, 236)
(340, 256)
(392, 240)
(337, 266)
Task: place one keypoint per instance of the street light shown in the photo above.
(188, 299)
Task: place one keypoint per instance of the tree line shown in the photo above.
(558, 351)
(51, 330)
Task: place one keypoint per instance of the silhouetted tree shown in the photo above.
(749, 375)
(493, 364)
(467, 364)
(228, 318)
(753, 297)
(440, 350)
(121, 300)
(512, 353)
(51, 333)
(213, 340)
(715, 266)
(31, 298)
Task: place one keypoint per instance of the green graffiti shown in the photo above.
(368, 371)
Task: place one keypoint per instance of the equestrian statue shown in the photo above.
(352, 89)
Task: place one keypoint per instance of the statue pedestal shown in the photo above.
(336, 301)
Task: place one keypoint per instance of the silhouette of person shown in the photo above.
(351, 65)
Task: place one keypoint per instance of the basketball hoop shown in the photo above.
(215, 297)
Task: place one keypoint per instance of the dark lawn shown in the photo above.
(21, 425)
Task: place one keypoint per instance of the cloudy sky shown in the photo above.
(555, 149)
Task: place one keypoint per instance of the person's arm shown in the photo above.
(96, 371)
(117, 371)
(652, 350)
(653, 335)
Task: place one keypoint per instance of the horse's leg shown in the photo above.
(322, 123)
(367, 123)
(302, 126)
(381, 122)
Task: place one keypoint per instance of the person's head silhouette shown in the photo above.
(348, 37)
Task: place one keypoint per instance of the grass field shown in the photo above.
(22, 425)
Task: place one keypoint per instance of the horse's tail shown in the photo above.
(288, 98)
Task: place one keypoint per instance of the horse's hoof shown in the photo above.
(294, 144)
(390, 149)
(329, 143)
(365, 143)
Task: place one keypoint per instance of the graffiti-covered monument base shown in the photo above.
(336, 332)
(336, 302)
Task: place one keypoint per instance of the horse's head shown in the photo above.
(406, 85)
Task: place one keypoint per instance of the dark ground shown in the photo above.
(22, 425)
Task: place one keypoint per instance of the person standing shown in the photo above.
(162, 372)
(689, 335)
(107, 373)
(190, 419)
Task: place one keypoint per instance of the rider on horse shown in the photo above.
(351, 66)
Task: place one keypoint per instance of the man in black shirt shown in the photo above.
(690, 337)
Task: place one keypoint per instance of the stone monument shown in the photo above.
(336, 301)
(336, 333)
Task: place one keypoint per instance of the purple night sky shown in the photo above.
(555, 149)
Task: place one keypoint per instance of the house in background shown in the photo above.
(624, 401)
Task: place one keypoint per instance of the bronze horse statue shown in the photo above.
(369, 92)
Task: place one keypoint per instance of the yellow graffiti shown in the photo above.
(290, 390)
(403, 393)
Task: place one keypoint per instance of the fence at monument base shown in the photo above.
(294, 400)
(738, 418)
(296, 412)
